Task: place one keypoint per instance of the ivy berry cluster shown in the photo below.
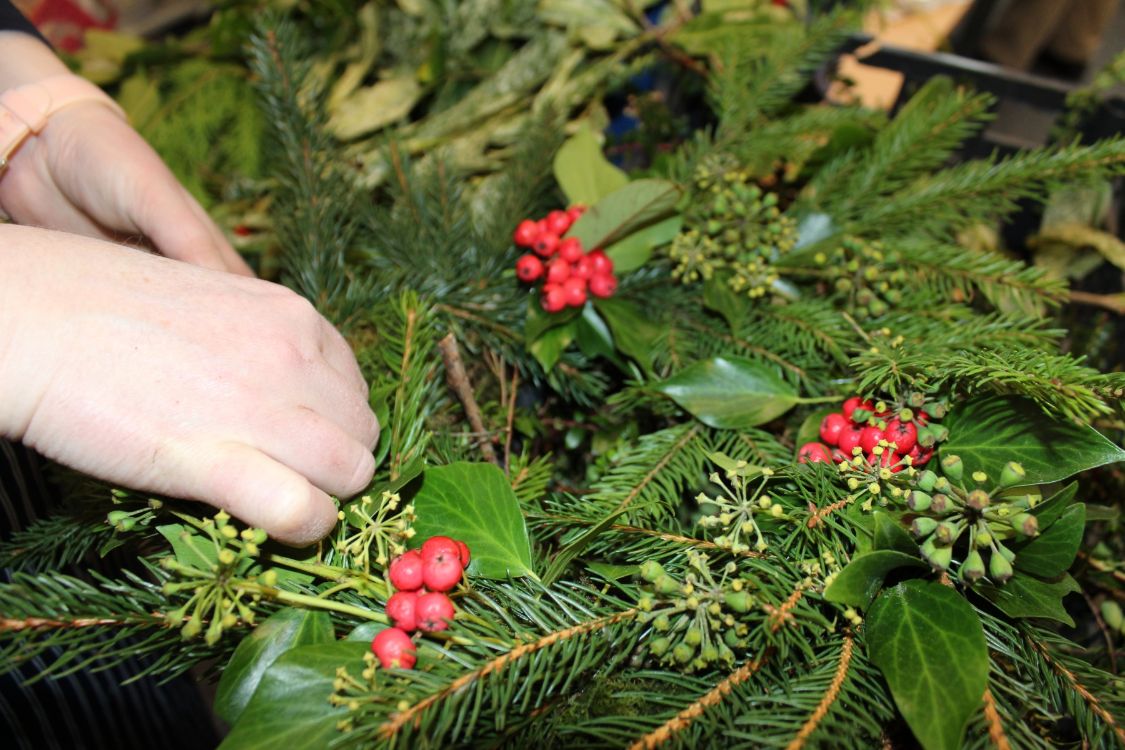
(885, 434)
(422, 576)
(569, 273)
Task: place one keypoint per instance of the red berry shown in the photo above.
(463, 549)
(242, 230)
(830, 428)
(400, 608)
(903, 434)
(570, 249)
(394, 649)
(920, 456)
(546, 244)
(855, 402)
(558, 222)
(406, 571)
(558, 271)
(600, 262)
(437, 545)
(812, 453)
(433, 611)
(582, 268)
(575, 211)
(849, 439)
(603, 285)
(526, 233)
(442, 570)
(575, 290)
(554, 298)
(838, 456)
(529, 268)
(869, 437)
(922, 418)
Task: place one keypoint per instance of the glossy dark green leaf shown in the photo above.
(861, 579)
(583, 172)
(594, 337)
(548, 348)
(1026, 596)
(634, 334)
(624, 211)
(539, 320)
(290, 708)
(474, 502)
(285, 629)
(730, 392)
(365, 632)
(930, 646)
(889, 534)
(987, 433)
(1051, 553)
(718, 296)
(1048, 511)
(632, 252)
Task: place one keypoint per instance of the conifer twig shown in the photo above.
(458, 380)
(828, 699)
(995, 726)
(1072, 679)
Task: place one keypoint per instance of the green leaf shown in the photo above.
(1049, 511)
(718, 296)
(365, 632)
(474, 502)
(539, 321)
(1027, 596)
(809, 430)
(594, 337)
(290, 708)
(548, 348)
(285, 629)
(730, 392)
(190, 548)
(930, 646)
(862, 578)
(583, 172)
(889, 534)
(624, 211)
(374, 107)
(634, 333)
(632, 252)
(613, 573)
(1051, 553)
(987, 433)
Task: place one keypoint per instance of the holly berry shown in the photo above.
(869, 437)
(442, 569)
(575, 290)
(831, 426)
(848, 439)
(527, 232)
(922, 417)
(575, 211)
(903, 434)
(811, 453)
(394, 649)
(838, 456)
(400, 608)
(855, 402)
(570, 249)
(546, 244)
(554, 298)
(439, 545)
(558, 222)
(920, 456)
(600, 262)
(603, 285)
(529, 268)
(406, 571)
(583, 268)
(433, 611)
(463, 549)
(558, 271)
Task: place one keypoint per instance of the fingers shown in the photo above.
(262, 492)
(319, 450)
(234, 262)
(168, 217)
(338, 353)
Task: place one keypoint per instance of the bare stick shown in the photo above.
(458, 380)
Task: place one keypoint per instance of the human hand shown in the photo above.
(180, 380)
(90, 173)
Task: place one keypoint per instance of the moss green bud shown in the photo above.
(938, 556)
(730, 637)
(645, 603)
(919, 501)
(693, 636)
(972, 569)
(926, 480)
(953, 467)
(651, 570)
(191, 628)
(983, 539)
(1025, 524)
(661, 623)
(978, 500)
(683, 653)
(1012, 475)
(739, 601)
(946, 533)
(1111, 613)
(923, 526)
(937, 411)
(227, 556)
(666, 584)
(116, 516)
(659, 646)
(999, 569)
(1007, 553)
(940, 503)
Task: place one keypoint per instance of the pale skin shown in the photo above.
(180, 374)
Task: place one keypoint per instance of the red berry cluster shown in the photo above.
(422, 577)
(874, 430)
(569, 273)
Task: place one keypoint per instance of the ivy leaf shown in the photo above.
(730, 392)
(290, 708)
(583, 172)
(1027, 596)
(987, 433)
(632, 252)
(594, 337)
(1051, 553)
(284, 629)
(859, 581)
(1048, 511)
(889, 534)
(365, 632)
(718, 296)
(548, 348)
(474, 502)
(540, 321)
(929, 644)
(195, 553)
(634, 333)
(624, 211)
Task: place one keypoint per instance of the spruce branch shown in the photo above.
(830, 696)
(995, 725)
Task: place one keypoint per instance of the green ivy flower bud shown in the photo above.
(661, 623)
(191, 628)
(666, 584)
(730, 637)
(683, 653)
(1007, 553)
(1025, 524)
(651, 570)
(999, 569)
(953, 467)
(923, 526)
(693, 636)
(938, 556)
(939, 432)
(1111, 613)
(940, 503)
(659, 646)
(1012, 475)
(978, 500)
(726, 654)
(709, 654)
(983, 539)
(919, 501)
(937, 410)
(739, 601)
(946, 533)
(972, 569)
(926, 480)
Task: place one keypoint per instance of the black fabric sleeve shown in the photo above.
(12, 20)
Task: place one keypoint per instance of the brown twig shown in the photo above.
(828, 699)
(511, 421)
(458, 380)
(1091, 700)
(995, 726)
(1096, 611)
(1115, 303)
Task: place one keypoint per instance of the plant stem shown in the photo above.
(311, 602)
